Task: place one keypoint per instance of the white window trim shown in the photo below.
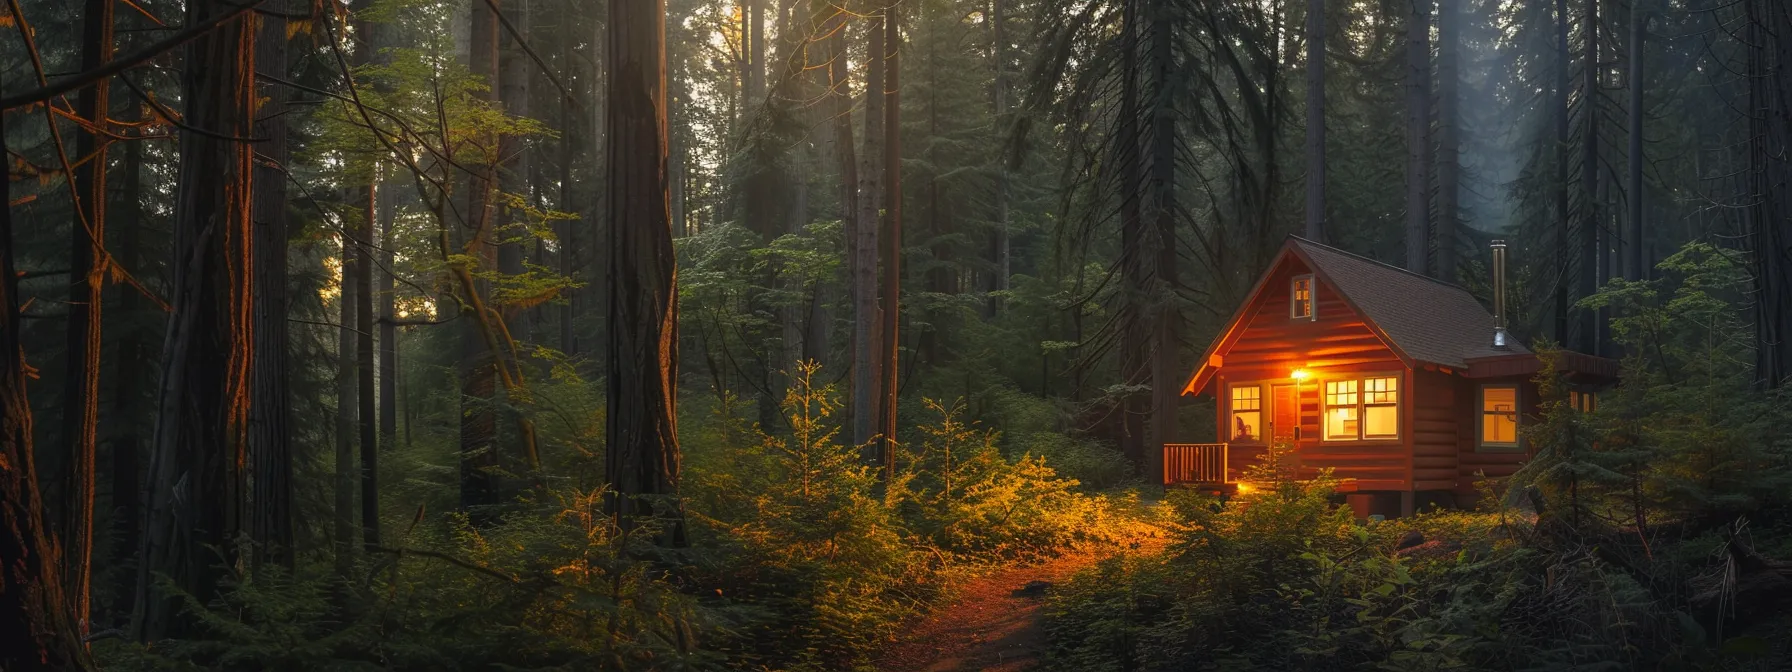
(1312, 298)
(1262, 421)
(1517, 444)
(1400, 401)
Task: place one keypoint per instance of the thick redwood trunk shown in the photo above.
(862, 249)
(1316, 120)
(478, 424)
(34, 618)
(346, 468)
(1586, 332)
(365, 414)
(642, 460)
(1166, 317)
(134, 367)
(892, 241)
(195, 492)
(1560, 105)
(1449, 142)
(1134, 321)
(270, 443)
(1418, 138)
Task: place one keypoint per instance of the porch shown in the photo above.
(1221, 466)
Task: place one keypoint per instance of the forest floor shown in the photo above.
(993, 624)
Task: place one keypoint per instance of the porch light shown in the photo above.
(1300, 374)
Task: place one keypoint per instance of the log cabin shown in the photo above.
(1406, 387)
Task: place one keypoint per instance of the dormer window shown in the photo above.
(1300, 295)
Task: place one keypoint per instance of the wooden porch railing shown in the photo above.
(1196, 463)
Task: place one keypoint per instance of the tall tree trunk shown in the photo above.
(1316, 120)
(569, 239)
(1002, 252)
(754, 84)
(1586, 337)
(1449, 143)
(839, 98)
(1418, 138)
(134, 364)
(87, 270)
(863, 266)
(1560, 330)
(347, 406)
(270, 407)
(1633, 220)
(388, 341)
(1770, 214)
(892, 239)
(642, 462)
(1134, 339)
(365, 414)
(34, 615)
(194, 507)
(478, 425)
(1166, 318)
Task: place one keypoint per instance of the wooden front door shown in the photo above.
(1285, 413)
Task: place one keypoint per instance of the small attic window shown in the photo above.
(1300, 295)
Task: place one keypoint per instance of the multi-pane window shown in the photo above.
(1300, 295)
(1247, 412)
(1367, 408)
(1499, 416)
(1381, 408)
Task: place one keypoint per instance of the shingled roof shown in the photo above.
(1425, 319)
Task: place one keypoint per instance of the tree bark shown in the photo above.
(478, 425)
(1770, 197)
(1449, 143)
(892, 240)
(1167, 318)
(270, 407)
(1586, 337)
(1316, 120)
(134, 365)
(347, 406)
(1633, 220)
(1134, 338)
(1002, 252)
(1561, 228)
(1418, 138)
(642, 460)
(366, 415)
(195, 492)
(34, 616)
(87, 269)
(863, 263)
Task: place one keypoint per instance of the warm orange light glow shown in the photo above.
(1301, 374)
(1244, 488)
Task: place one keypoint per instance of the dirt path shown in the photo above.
(990, 627)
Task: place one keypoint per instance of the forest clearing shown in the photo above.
(905, 335)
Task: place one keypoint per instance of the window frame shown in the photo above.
(1232, 411)
(1362, 406)
(1481, 413)
(1312, 298)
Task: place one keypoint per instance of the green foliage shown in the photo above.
(535, 592)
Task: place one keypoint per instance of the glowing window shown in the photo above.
(1247, 412)
(1381, 408)
(1585, 402)
(1341, 410)
(1499, 416)
(1300, 298)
